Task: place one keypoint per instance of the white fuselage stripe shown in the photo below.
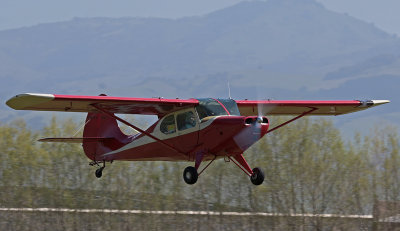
(157, 133)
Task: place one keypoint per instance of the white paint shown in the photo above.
(21, 101)
(379, 102)
(51, 96)
(170, 212)
(158, 134)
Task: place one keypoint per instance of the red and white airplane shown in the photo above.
(193, 130)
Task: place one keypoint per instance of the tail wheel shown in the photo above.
(257, 177)
(190, 175)
(99, 172)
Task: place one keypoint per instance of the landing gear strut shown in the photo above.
(190, 175)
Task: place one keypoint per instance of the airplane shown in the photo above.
(194, 130)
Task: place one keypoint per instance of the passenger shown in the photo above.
(190, 121)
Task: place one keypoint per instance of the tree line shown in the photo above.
(309, 169)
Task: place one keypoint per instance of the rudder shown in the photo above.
(105, 128)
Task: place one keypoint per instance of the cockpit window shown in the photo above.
(230, 105)
(186, 120)
(168, 125)
(211, 107)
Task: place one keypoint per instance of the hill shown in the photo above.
(276, 49)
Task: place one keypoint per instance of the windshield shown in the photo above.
(231, 106)
(211, 107)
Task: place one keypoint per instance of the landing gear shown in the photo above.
(190, 175)
(257, 177)
(256, 174)
(99, 172)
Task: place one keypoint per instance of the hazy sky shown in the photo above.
(18, 13)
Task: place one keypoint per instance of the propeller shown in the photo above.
(253, 132)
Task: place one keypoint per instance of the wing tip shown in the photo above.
(373, 103)
(379, 102)
(22, 101)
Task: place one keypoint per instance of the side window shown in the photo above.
(201, 111)
(168, 125)
(186, 120)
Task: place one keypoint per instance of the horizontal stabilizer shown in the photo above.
(75, 140)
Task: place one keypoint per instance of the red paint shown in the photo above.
(199, 157)
(119, 105)
(122, 105)
(112, 99)
(226, 136)
(221, 136)
(210, 139)
(101, 125)
(140, 130)
(306, 103)
(218, 139)
(297, 107)
(242, 164)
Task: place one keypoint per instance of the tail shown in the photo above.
(106, 134)
(100, 135)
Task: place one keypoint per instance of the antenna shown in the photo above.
(229, 91)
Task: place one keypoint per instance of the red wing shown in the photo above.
(75, 103)
(278, 107)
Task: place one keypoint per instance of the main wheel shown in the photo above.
(257, 177)
(190, 175)
(99, 172)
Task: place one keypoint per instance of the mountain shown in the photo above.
(270, 49)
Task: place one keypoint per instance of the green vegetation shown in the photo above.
(309, 168)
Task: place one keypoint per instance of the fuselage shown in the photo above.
(215, 127)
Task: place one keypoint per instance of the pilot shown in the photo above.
(190, 121)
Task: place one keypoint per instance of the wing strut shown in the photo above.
(295, 118)
(138, 129)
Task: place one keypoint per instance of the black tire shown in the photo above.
(190, 175)
(257, 177)
(99, 172)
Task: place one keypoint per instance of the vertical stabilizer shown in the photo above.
(105, 128)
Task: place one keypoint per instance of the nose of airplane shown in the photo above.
(254, 119)
(233, 134)
(255, 128)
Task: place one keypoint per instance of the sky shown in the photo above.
(20, 13)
